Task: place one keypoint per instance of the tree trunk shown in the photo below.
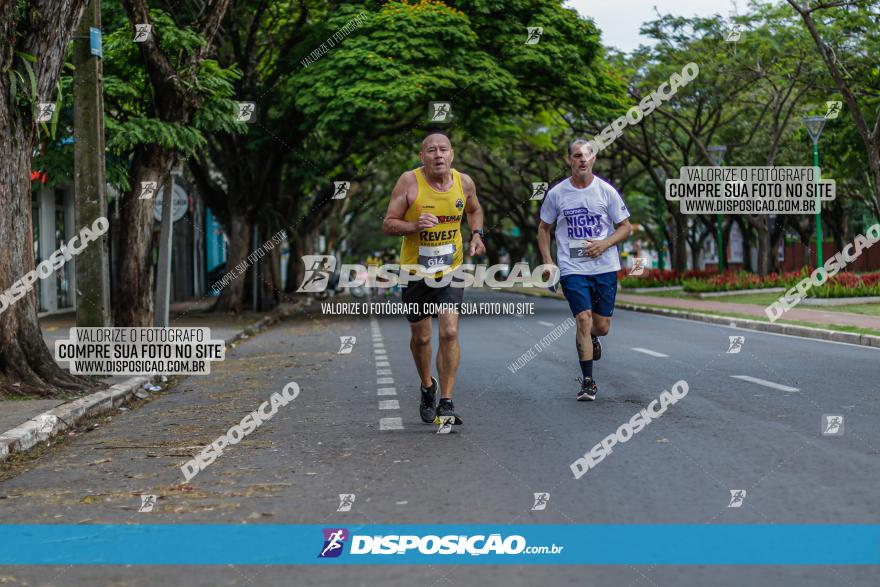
(26, 364)
(695, 256)
(765, 251)
(295, 269)
(679, 243)
(270, 274)
(134, 304)
(232, 296)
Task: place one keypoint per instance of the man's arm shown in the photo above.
(544, 242)
(394, 224)
(474, 215)
(622, 231)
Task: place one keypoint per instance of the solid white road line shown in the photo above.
(648, 352)
(388, 404)
(391, 423)
(765, 383)
(387, 391)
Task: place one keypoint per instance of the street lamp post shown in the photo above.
(716, 152)
(661, 257)
(815, 125)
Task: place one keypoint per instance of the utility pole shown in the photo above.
(92, 265)
(163, 277)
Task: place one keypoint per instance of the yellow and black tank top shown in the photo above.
(438, 248)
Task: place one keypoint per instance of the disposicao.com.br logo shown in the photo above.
(334, 540)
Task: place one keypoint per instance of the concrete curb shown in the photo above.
(48, 424)
(790, 329)
(839, 301)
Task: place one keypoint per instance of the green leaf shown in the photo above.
(13, 89)
(26, 56)
(33, 78)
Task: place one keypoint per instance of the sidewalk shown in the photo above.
(819, 317)
(17, 415)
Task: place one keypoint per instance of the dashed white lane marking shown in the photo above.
(648, 352)
(542, 323)
(383, 377)
(765, 383)
(401, 502)
(391, 423)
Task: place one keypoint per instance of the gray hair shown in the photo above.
(577, 142)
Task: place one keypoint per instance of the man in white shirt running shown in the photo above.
(591, 219)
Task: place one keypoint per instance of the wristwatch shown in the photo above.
(481, 232)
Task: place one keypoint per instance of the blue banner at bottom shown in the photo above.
(271, 544)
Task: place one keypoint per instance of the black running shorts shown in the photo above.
(421, 294)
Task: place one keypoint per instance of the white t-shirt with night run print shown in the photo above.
(582, 215)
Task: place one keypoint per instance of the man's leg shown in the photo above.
(449, 353)
(601, 325)
(420, 345)
(585, 327)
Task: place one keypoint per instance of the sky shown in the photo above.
(619, 20)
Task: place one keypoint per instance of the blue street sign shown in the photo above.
(95, 42)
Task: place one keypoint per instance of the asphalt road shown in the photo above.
(751, 421)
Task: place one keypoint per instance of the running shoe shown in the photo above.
(445, 408)
(597, 349)
(588, 391)
(428, 405)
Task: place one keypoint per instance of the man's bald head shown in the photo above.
(437, 138)
(437, 155)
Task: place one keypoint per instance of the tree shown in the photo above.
(35, 39)
(179, 81)
(848, 44)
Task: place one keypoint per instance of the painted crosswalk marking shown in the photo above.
(391, 423)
